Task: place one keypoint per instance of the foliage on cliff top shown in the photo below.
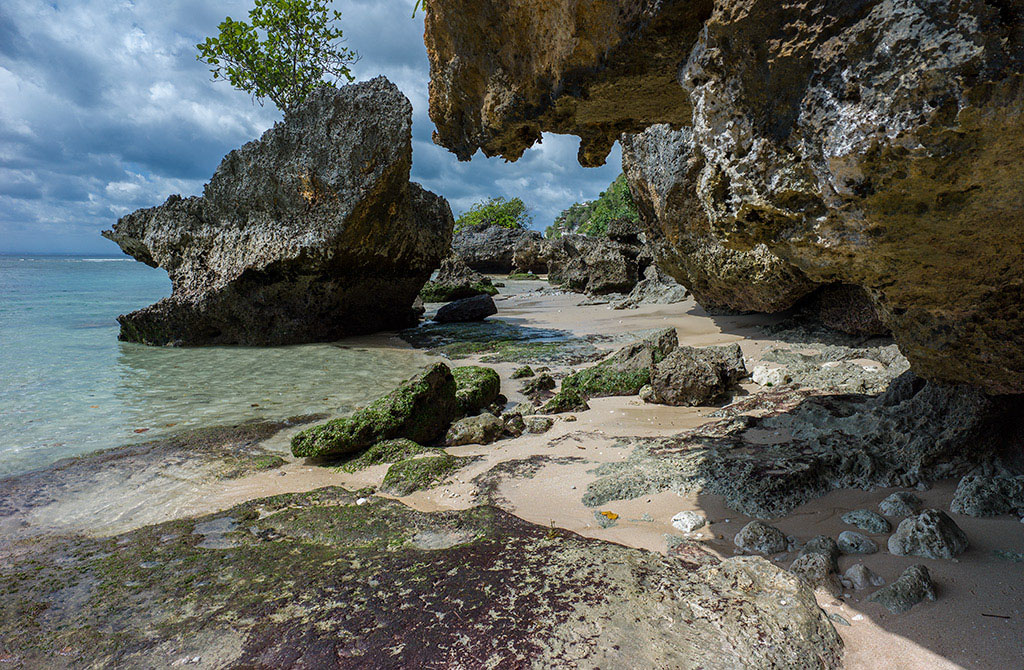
(592, 217)
(496, 212)
(288, 50)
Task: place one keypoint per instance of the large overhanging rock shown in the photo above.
(311, 233)
(662, 169)
(504, 71)
(874, 143)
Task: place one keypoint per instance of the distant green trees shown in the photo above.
(287, 50)
(507, 213)
(592, 217)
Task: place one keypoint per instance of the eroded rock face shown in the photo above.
(595, 265)
(487, 248)
(504, 71)
(871, 143)
(662, 169)
(310, 233)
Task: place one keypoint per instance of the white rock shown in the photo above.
(861, 577)
(765, 375)
(688, 521)
(362, 501)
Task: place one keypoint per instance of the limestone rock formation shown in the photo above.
(595, 265)
(454, 281)
(662, 169)
(310, 233)
(487, 248)
(870, 143)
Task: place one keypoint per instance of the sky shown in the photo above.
(104, 109)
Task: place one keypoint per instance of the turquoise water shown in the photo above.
(68, 387)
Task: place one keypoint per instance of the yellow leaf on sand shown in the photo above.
(611, 516)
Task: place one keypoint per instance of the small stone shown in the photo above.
(569, 418)
(826, 546)
(900, 505)
(760, 538)
(481, 429)
(869, 521)
(860, 577)
(688, 521)
(539, 424)
(930, 534)
(362, 501)
(523, 372)
(835, 618)
(854, 543)
(913, 586)
(817, 571)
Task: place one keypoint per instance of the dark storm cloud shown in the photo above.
(106, 110)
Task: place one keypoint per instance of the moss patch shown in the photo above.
(389, 451)
(523, 276)
(420, 409)
(476, 387)
(523, 372)
(442, 292)
(416, 474)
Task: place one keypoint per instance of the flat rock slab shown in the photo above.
(315, 580)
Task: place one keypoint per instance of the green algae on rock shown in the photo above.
(315, 580)
(388, 451)
(420, 409)
(438, 292)
(415, 474)
(476, 387)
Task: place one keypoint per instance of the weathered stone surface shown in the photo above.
(930, 534)
(539, 424)
(476, 387)
(869, 143)
(503, 72)
(595, 265)
(477, 308)
(850, 542)
(454, 281)
(869, 521)
(815, 571)
(860, 577)
(489, 248)
(421, 410)
(760, 538)
(310, 233)
(662, 168)
(916, 432)
(697, 376)
(316, 580)
(846, 308)
(900, 504)
(656, 288)
(989, 495)
(688, 521)
(912, 587)
(481, 429)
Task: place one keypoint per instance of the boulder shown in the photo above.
(688, 521)
(697, 376)
(311, 233)
(420, 410)
(454, 281)
(662, 169)
(860, 577)
(491, 248)
(930, 534)
(982, 495)
(594, 265)
(532, 255)
(912, 587)
(656, 288)
(760, 538)
(850, 542)
(481, 429)
(476, 308)
(872, 144)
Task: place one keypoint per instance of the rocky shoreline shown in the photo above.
(582, 483)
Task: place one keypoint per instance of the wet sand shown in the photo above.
(977, 622)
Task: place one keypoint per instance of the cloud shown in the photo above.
(106, 110)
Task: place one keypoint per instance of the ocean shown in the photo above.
(69, 387)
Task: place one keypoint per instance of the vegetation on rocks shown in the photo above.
(438, 292)
(389, 451)
(420, 409)
(416, 474)
(502, 212)
(593, 216)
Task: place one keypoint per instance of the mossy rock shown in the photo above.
(523, 372)
(389, 451)
(420, 409)
(476, 387)
(605, 379)
(523, 276)
(568, 400)
(443, 292)
(416, 474)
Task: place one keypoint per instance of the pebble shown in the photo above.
(855, 543)
(688, 521)
(362, 501)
